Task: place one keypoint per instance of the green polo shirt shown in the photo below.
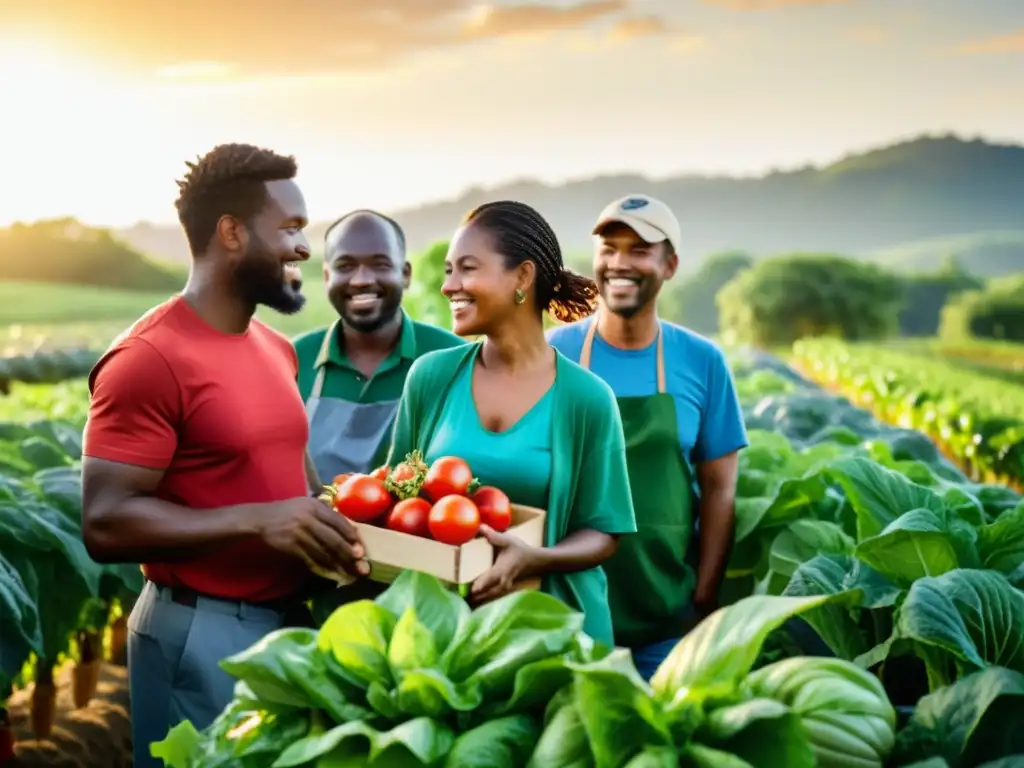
(325, 347)
(344, 381)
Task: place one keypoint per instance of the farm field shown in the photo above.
(896, 560)
(1000, 360)
(977, 420)
(43, 316)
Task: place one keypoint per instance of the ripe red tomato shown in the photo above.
(362, 498)
(495, 508)
(410, 516)
(454, 520)
(380, 472)
(446, 476)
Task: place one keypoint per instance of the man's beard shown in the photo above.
(260, 279)
(392, 305)
(647, 293)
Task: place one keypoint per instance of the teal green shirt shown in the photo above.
(589, 484)
(459, 433)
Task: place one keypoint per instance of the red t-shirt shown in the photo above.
(221, 416)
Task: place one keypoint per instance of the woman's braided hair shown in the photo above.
(520, 234)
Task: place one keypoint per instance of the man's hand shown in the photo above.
(308, 529)
(515, 561)
(699, 609)
(705, 604)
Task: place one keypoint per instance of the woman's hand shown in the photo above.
(516, 560)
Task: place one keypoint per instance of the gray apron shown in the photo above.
(344, 436)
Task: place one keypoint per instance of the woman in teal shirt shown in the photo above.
(527, 419)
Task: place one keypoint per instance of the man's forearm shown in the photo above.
(717, 529)
(144, 529)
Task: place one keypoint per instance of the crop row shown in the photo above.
(895, 563)
(57, 603)
(996, 360)
(45, 367)
(976, 420)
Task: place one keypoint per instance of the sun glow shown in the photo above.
(63, 119)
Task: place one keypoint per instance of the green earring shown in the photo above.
(520, 295)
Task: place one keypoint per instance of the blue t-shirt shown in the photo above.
(708, 413)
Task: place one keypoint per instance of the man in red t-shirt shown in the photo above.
(195, 457)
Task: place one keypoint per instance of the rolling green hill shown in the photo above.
(917, 191)
(67, 252)
(986, 254)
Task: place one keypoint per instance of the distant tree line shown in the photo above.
(765, 301)
(65, 251)
(774, 301)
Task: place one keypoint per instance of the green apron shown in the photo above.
(345, 436)
(650, 577)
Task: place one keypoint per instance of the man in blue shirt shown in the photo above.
(683, 427)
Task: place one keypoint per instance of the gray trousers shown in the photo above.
(173, 656)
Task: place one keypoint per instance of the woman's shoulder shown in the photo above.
(440, 364)
(585, 389)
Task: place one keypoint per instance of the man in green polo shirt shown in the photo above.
(351, 373)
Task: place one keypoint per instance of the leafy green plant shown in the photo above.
(414, 678)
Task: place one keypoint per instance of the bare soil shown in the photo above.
(97, 735)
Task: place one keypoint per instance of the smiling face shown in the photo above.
(629, 272)
(478, 284)
(365, 271)
(264, 272)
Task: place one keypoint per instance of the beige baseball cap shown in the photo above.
(648, 217)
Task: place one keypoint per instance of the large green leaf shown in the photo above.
(422, 740)
(916, 544)
(715, 656)
(181, 746)
(1001, 545)
(564, 742)
(880, 495)
(507, 741)
(412, 645)
(616, 707)
(19, 617)
(44, 529)
(800, 542)
(976, 719)
(839, 624)
(438, 609)
(357, 635)
(760, 732)
(287, 668)
(974, 616)
(842, 710)
(505, 635)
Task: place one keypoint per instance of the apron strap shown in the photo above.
(321, 362)
(588, 345)
(318, 382)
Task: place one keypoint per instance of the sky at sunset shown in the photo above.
(390, 103)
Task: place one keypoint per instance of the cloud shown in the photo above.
(869, 34)
(762, 5)
(1012, 43)
(210, 40)
(639, 26)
